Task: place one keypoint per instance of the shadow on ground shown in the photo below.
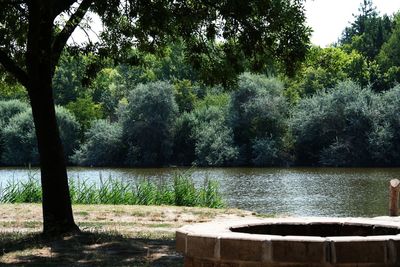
(86, 249)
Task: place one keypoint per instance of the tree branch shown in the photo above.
(62, 5)
(62, 38)
(13, 68)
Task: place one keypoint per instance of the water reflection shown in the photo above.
(279, 191)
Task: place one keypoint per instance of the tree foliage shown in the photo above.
(213, 137)
(258, 113)
(368, 32)
(332, 127)
(147, 121)
(104, 145)
(20, 145)
(33, 36)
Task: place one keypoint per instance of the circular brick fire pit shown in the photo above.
(291, 242)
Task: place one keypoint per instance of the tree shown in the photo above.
(67, 80)
(332, 127)
(103, 145)
(388, 57)
(325, 67)
(147, 124)
(85, 111)
(368, 32)
(204, 136)
(258, 116)
(9, 109)
(32, 38)
(106, 89)
(20, 146)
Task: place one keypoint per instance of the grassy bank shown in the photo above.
(119, 235)
(181, 191)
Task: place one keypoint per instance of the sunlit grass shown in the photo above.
(180, 192)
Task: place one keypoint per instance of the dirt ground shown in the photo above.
(112, 235)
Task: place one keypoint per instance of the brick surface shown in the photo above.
(252, 264)
(359, 252)
(238, 249)
(201, 246)
(298, 251)
(229, 264)
(216, 245)
(188, 262)
(394, 251)
(180, 242)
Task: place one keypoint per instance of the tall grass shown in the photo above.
(180, 192)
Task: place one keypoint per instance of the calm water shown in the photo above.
(279, 191)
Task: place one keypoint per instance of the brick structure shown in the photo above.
(291, 242)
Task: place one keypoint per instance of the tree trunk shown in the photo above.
(57, 210)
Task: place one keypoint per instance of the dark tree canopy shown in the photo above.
(221, 38)
(225, 33)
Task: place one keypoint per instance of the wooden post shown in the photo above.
(394, 197)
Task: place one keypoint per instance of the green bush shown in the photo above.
(20, 145)
(332, 128)
(384, 139)
(107, 89)
(148, 122)
(9, 109)
(184, 141)
(266, 152)
(203, 137)
(258, 111)
(185, 96)
(69, 130)
(103, 145)
(213, 138)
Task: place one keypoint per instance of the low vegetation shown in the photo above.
(180, 192)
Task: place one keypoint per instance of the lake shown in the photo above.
(276, 191)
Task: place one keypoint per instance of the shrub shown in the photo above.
(20, 145)
(384, 139)
(103, 146)
(258, 111)
(203, 136)
(266, 152)
(184, 141)
(148, 121)
(213, 138)
(9, 109)
(67, 80)
(332, 128)
(69, 130)
(184, 95)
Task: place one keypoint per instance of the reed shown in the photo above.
(180, 192)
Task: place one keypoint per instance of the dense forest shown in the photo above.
(340, 107)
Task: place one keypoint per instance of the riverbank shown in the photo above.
(112, 235)
(294, 192)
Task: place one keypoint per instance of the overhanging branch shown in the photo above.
(62, 38)
(13, 68)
